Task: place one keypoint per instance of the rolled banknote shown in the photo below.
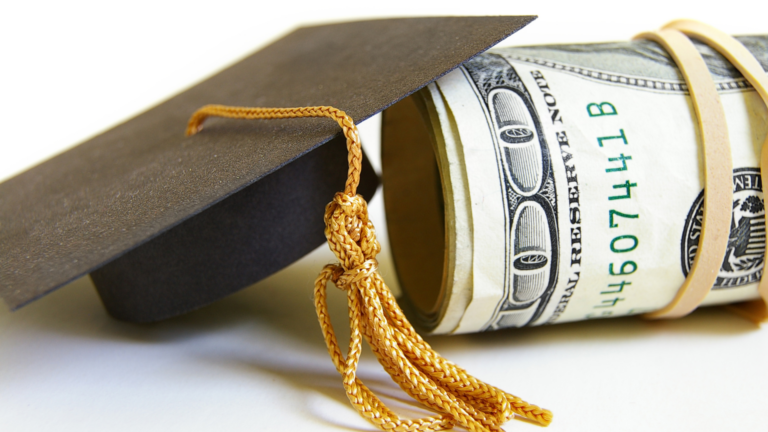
(564, 183)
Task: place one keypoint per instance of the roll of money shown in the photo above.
(548, 184)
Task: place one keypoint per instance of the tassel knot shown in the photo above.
(350, 234)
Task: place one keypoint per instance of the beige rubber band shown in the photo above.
(748, 65)
(718, 177)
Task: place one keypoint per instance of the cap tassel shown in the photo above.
(374, 314)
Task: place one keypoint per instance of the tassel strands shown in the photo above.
(375, 316)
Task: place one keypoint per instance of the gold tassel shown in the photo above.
(374, 314)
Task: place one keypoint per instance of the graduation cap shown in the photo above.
(166, 224)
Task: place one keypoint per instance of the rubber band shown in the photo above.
(747, 64)
(718, 173)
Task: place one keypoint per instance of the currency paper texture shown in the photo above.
(578, 171)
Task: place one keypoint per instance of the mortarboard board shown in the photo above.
(166, 224)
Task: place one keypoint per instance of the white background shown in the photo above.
(256, 360)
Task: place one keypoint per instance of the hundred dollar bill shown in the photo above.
(573, 184)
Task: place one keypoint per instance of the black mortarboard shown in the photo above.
(166, 224)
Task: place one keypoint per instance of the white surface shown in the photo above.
(256, 360)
